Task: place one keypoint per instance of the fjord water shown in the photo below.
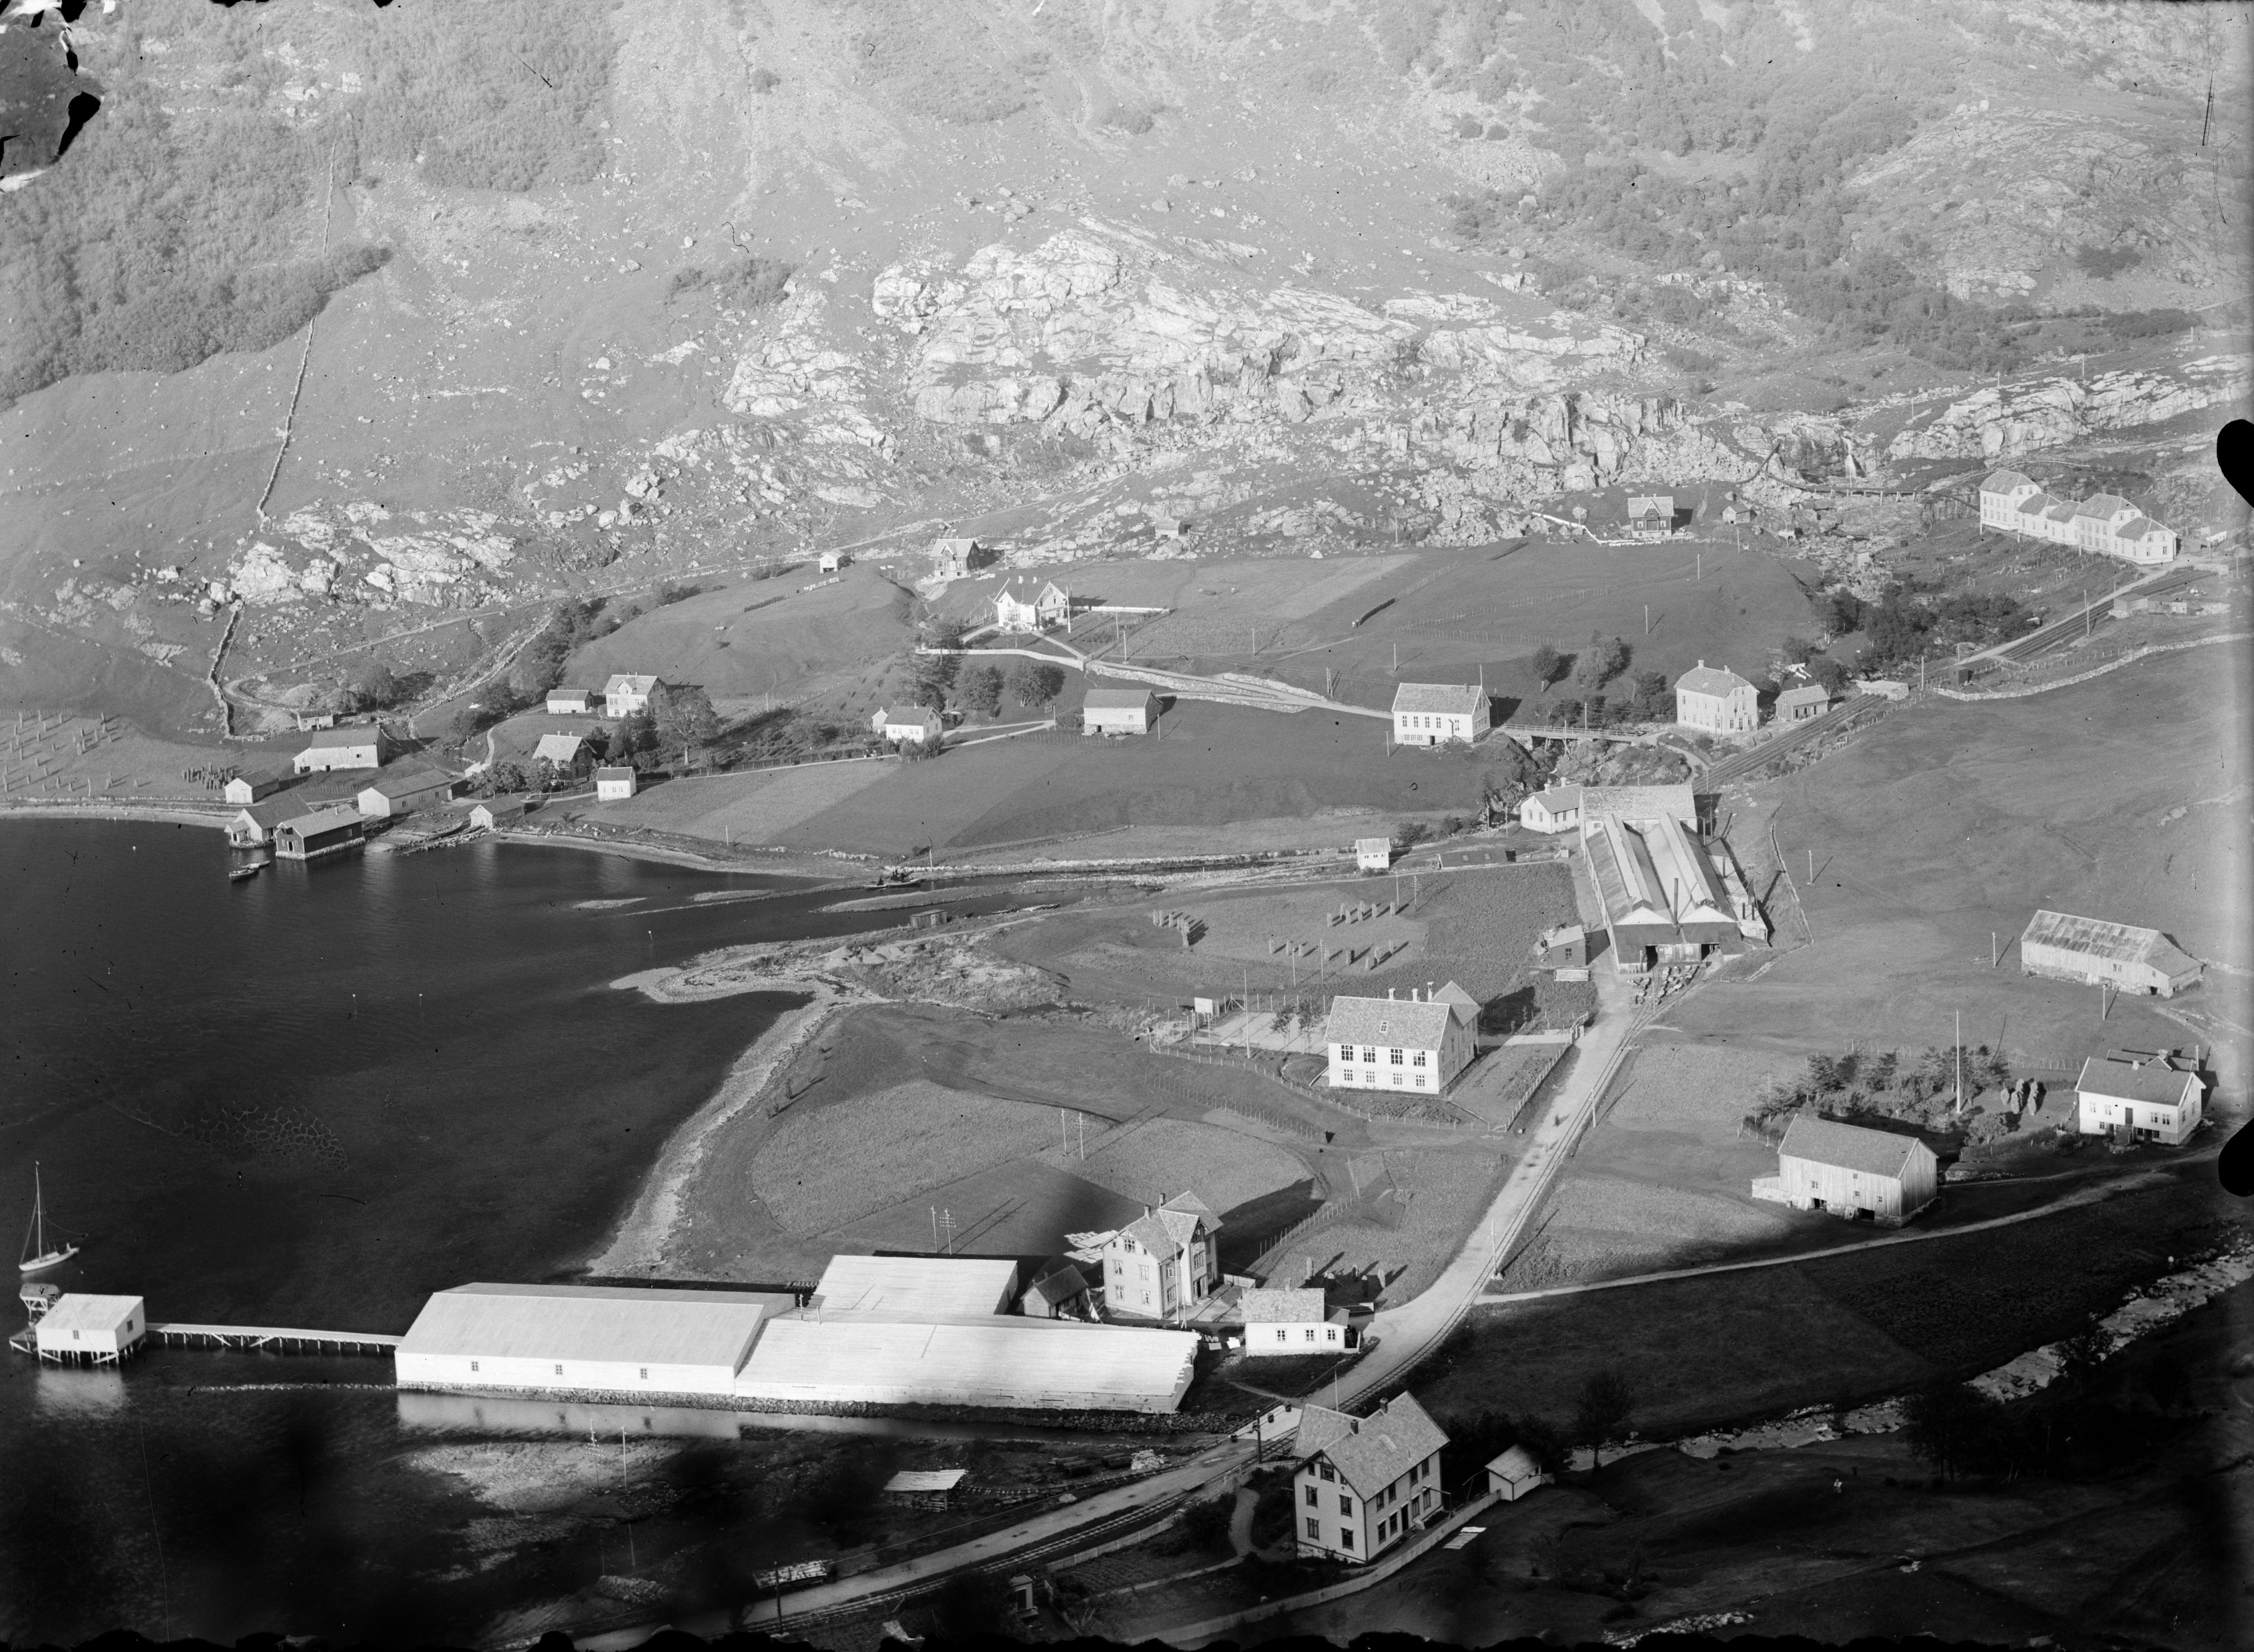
(310, 1100)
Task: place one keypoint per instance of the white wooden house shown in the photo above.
(907, 724)
(1553, 810)
(2149, 1097)
(831, 561)
(1364, 1483)
(97, 1330)
(1716, 702)
(1415, 1043)
(569, 701)
(624, 695)
(404, 790)
(2001, 495)
(2064, 948)
(1803, 703)
(1019, 606)
(1165, 1263)
(1118, 711)
(2140, 540)
(1513, 1474)
(1283, 1322)
(358, 745)
(1651, 516)
(1849, 1171)
(1373, 854)
(254, 784)
(614, 784)
(1428, 713)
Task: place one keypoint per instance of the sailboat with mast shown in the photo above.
(38, 1254)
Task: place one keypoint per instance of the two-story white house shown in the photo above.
(1364, 1483)
(1716, 702)
(1401, 1044)
(2151, 1098)
(1017, 606)
(1427, 713)
(2001, 495)
(2141, 540)
(1163, 1264)
(623, 695)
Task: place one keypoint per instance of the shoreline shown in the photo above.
(783, 865)
(177, 813)
(637, 1244)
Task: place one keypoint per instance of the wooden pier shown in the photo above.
(274, 1339)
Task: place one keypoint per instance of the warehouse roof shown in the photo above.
(2125, 1082)
(1875, 1152)
(81, 1311)
(1677, 802)
(592, 1322)
(1413, 1023)
(406, 782)
(1704, 679)
(921, 1286)
(1282, 1307)
(2122, 943)
(1458, 699)
(1117, 699)
(989, 1358)
(322, 820)
(1370, 1453)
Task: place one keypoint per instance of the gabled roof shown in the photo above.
(569, 694)
(2104, 506)
(2060, 511)
(613, 773)
(1282, 1307)
(322, 820)
(406, 782)
(1167, 1231)
(914, 717)
(1370, 1453)
(1704, 679)
(1808, 693)
(1675, 801)
(1874, 1153)
(2004, 482)
(2036, 504)
(1059, 1280)
(1515, 1464)
(2153, 1082)
(272, 811)
(1559, 800)
(1117, 699)
(557, 748)
(332, 740)
(1458, 699)
(1409, 1023)
(626, 683)
(2122, 943)
(2136, 527)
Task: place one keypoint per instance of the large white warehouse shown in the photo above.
(917, 1285)
(972, 1360)
(607, 1338)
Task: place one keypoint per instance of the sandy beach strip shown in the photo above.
(640, 1243)
(183, 815)
(816, 870)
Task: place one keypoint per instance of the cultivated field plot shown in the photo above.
(747, 808)
(825, 1165)
(1022, 1209)
(1217, 763)
(1857, 1327)
(1603, 1226)
(1950, 823)
(1404, 1245)
(1151, 1161)
(1246, 929)
(1701, 1089)
(1481, 926)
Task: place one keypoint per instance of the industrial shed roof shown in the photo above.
(1875, 1152)
(1678, 801)
(1370, 1453)
(1457, 699)
(2154, 1081)
(592, 1322)
(991, 1359)
(919, 1285)
(2123, 943)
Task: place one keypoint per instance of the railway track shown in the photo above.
(1731, 768)
(2083, 619)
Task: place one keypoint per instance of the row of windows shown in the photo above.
(1347, 1076)
(559, 1370)
(1393, 1057)
(1315, 1533)
(1283, 1335)
(1420, 720)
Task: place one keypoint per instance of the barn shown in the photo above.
(323, 832)
(1118, 711)
(2147, 1096)
(569, 701)
(361, 745)
(1864, 1175)
(405, 790)
(2064, 948)
(499, 811)
(587, 1338)
(253, 784)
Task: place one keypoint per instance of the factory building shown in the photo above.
(604, 1339)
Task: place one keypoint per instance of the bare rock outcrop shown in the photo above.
(2004, 422)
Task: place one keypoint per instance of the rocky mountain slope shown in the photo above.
(601, 296)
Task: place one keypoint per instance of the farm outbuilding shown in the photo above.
(2064, 948)
(254, 784)
(1059, 1291)
(917, 1285)
(323, 831)
(1373, 854)
(1429, 713)
(499, 811)
(1851, 1171)
(361, 745)
(588, 1339)
(1400, 1044)
(1363, 1483)
(570, 701)
(615, 785)
(249, 828)
(1118, 711)
(404, 791)
(823, 1357)
(99, 1330)
(2149, 1097)
(925, 1488)
(1513, 1474)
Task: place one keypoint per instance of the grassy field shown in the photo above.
(1950, 823)
(1402, 1245)
(1152, 1159)
(1859, 1326)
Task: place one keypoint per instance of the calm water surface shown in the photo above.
(310, 1100)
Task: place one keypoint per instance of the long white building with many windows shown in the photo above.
(2104, 523)
(1401, 1044)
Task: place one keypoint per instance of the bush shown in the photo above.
(2103, 262)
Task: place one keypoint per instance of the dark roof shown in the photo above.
(402, 782)
(1059, 1281)
(322, 820)
(2121, 942)
(1875, 1152)
(1282, 1307)
(1418, 1023)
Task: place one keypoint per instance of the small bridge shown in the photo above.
(274, 1339)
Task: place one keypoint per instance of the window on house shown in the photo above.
(1313, 1501)
(1311, 1336)
(645, 1374)
(1327, 1471)
(559, 1370)
(1396, 1058)
(1282, 1335)
(1420, 1081)
(1368, 1055)
(1346, 1537)
(1345, 1504)
(473, 1365)
(1315, 1529)
(1419, 1062)
(1332, 1335)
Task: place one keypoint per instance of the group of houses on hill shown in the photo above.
(2104, 523)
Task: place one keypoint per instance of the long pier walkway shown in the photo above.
(278, 1338)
